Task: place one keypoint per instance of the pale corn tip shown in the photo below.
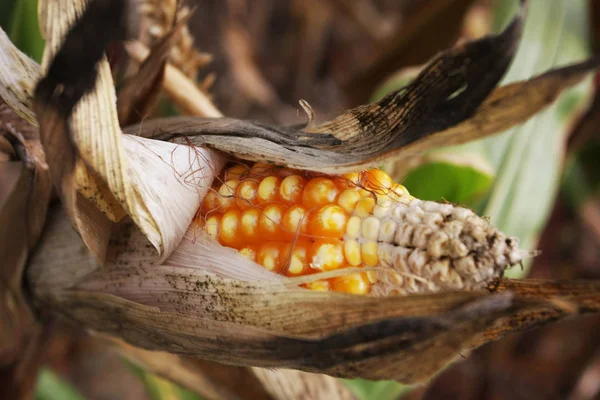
(294, 223)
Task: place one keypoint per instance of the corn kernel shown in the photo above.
(356, 283)
(348, 199)
(269, 256)
(364, 207)
(268, 190)
(370, 228)
(352, 252)
(327, 254)
(269, 222)
(296, 257)
(329, 221)
(290, 190)
(294, 222)
(249, 251)
(230, 232)
(319, 192)
(227, 194)
(249, 225)
(376, 180)
(369, 252)
(212, 225)
(246, 194)
(353, 227)
(236, 172)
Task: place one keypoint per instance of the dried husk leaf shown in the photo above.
(139, 93)
(267, 324)
(181, 89)
(101, 145)
(289, 384)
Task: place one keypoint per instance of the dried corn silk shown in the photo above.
(297, 223)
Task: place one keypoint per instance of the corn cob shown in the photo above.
(297, 223)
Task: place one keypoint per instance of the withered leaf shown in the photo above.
(139, 93)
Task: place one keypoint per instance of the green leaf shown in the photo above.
(377, 390)
(528, 158)
(24, 29)
(459, 175)
(51, 387)
(159, 388)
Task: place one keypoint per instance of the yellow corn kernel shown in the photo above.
(296, 223)
(227, 194)
(353, 227)
(348, 199)
(352, 252)
(356, 283)
(370, 228)
(237, 172)
(369, 252)
(364, 207)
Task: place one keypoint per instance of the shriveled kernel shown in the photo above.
(370, 228)
(227, 194)
(369, 252)
(294, 222)
(212, 225)
(236, 172)
(268, 190)
(269, 223)
(246, 194)
(387, 231)
(352, 252)
(230, 232)
(296, 258)
(356, 283)
(348, 199)
(290, 190)
(328, 221)
(327, 254)
(249, 226)
(353, 227)
(364, 207)
(269, 256)
(319, 192)
(249, 252)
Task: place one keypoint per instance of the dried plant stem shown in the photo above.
(178, 86)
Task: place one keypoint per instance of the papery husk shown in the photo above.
(181, 309)
(100, 144)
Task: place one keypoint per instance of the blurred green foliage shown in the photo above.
(19, 20)
(51, 387)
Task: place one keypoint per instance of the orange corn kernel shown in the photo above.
(270, 256)
(356, 283)
(327, 254)
(269, 222)
(319, 192)
(296, 223)
(330, 221)
(268, 189)
(246, 194)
